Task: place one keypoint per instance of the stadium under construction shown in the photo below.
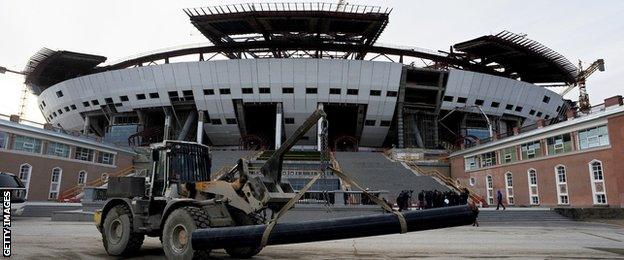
(268, 66)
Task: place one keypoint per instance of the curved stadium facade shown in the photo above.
(268, 66)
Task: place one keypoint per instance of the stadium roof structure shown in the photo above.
(307, 22)
(521, 57)
(48, 67)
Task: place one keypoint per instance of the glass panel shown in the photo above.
(27, 144)
(3, 140)
(58, 149)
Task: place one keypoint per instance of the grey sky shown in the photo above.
(578, 29)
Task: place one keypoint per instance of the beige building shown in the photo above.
(50, 162)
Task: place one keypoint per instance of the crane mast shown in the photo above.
(583, 101)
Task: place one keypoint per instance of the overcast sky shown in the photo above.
(578, 29)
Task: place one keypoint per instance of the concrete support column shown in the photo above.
(167, 128)
(319, 131)
(200, 126)
(87, 122)
(278, 126)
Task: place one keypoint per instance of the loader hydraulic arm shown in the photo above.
(272, 168)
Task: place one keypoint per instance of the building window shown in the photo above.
(495, 104)
(4, 138)
(391, 93)
(86, 104)
(311, 90)
(247, 90)
(224, 91)
(509, 154)
(448, 98)
(264, 90)
(462, 100)
(288, 90)
(108, 100)
(385, 123)
(352, 91)
(59, 93)
(532, 112)
(509, 188)
(559, 144)
(95, 102)
(289, 121)
(188, 94)
(539, 114)
(215, 121)
(123, 98)
(25, 171)
(599, 191)
(83, 154)
(593, 137)
(509, 107)
(66, 109)
(334, 91)
(533, 190)
(58, 149)
(140, 96)
(479, 102)
(369, 122)
(208, 92)
(104, 177)
(472, 181)
(82, 177)
(375, 92)
(518, 109)
(531, 150)
(470, 163)
(154, 95)
(488, 159)
(59, 111)
(490, 189)
(26, 144)
(562, 185)
(55, 183)
(73, 107)
(230, 121)
(43, 103)
(106, 158)
(546, 99)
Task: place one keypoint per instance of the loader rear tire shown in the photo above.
(176, 238)
(117, 234)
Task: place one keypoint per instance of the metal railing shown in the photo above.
(69, 195)
(340, 197)
(286, 7)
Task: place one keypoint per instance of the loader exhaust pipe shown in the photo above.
(332, 229)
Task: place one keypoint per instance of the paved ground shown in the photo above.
(39, 238)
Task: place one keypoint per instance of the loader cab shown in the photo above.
(180, 163)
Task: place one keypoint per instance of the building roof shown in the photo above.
(290, 22)
(596, 115)
(520, 57)
(48, 67)
(76, 140)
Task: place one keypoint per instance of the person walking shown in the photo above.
(499, 198)
(421, 200)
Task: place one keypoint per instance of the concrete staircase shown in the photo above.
(520, 216)
(373, 170)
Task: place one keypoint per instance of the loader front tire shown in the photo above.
(117, 234)
(176, 238)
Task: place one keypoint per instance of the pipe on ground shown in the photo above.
(332, 229)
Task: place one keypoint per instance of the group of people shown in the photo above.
(432, 199)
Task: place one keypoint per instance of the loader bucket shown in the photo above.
(332, 229)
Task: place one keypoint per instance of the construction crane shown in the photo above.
(583, 101)
(25, 92)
